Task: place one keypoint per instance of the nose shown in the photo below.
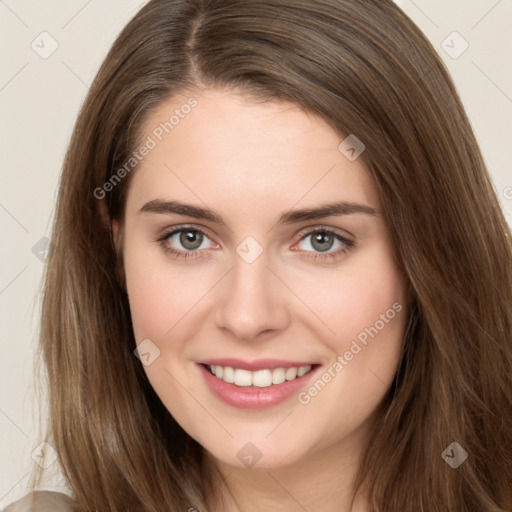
(253, 301)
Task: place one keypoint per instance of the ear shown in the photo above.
(116, 231)
(104, 215)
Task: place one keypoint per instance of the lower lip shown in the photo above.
(252, 397)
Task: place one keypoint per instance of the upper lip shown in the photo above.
(257, 364)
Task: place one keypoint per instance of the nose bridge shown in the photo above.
(252, 301)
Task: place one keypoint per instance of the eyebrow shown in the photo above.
(290, 217)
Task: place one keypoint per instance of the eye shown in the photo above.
(190, 242)
(322, 240)
(191, 239)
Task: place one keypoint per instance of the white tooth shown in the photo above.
(229, 375)
(291, 373)
(243, 377)
(278, 376)
(259, 378)
(303, 370)
(262, 378)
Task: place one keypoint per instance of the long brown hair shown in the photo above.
(367, 70)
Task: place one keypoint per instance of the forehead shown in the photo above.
(237, 153)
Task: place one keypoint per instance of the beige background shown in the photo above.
(39, 99)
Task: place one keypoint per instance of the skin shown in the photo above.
(251, 163)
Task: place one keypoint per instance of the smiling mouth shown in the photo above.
(260, 378)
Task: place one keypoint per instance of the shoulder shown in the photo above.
(43, 501)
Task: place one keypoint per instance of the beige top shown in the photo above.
(42, 501)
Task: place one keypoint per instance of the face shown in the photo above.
(228, 265)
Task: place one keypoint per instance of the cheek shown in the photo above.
(364, 307)
(159, 293)
(369, 320)
(161, 297)
(357, 298)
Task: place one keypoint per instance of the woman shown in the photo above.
(280, 277)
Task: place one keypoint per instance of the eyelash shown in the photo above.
(348, 244)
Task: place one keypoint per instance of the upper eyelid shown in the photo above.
(320, 227)
(176, 229)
